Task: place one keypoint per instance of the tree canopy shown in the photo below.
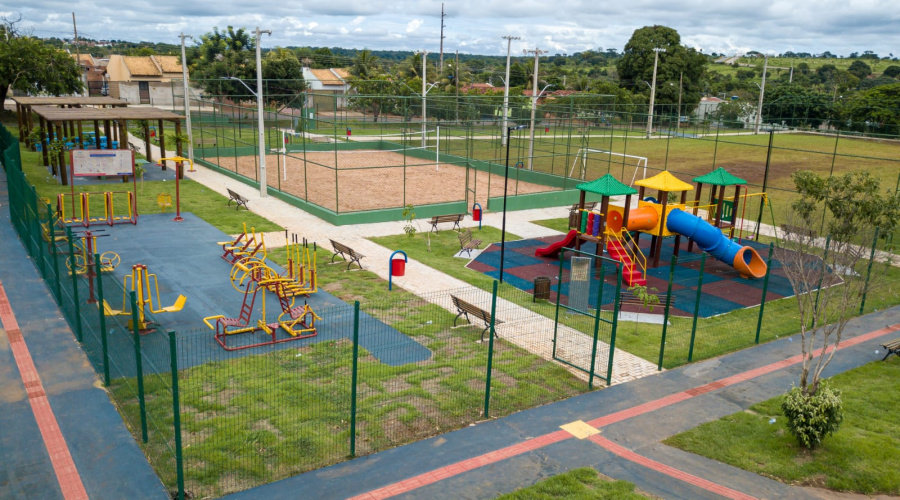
(30, 65)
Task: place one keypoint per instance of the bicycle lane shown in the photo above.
(60, 435)
(499, 456)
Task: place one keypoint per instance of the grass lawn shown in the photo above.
(577, 484)
(265, 416)
(195, 197)
(861, 457)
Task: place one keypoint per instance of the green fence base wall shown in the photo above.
(539, 200)
(345, 219)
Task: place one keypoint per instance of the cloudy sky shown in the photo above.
(476, 27)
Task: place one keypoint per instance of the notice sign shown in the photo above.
(102, 162)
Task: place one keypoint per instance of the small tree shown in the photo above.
(647, 296)
(827, 287)
(412, 226)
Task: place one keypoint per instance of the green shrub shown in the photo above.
(811, 418)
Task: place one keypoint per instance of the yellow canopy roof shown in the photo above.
(664, 181)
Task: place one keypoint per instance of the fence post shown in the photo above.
(490, 360)
(862, 304)
(103, 339)
(765, 290)
(57, 288)
(176, 416)
(135, 326)
(697, 307)
(74, 271)
(662, 342)
(354, 377)
(615, 323)
(597, 324)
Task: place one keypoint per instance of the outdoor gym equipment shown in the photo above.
(84, 256)
(301, 267)
(140, 280)
(77, 210)
(179, 173)
(244, 246)
(253, 275)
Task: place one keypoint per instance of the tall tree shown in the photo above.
(366, 65)
(228, 53)
(677, 63)
(284, 77)
(29, 65)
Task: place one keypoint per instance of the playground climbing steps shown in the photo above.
(630, 272)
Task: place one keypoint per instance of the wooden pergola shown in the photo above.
(114, 124)
(24, 108)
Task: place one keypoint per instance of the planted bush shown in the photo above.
(812, 417)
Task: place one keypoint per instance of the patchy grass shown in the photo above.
(577, 484)
(861, 457)
(266, 416)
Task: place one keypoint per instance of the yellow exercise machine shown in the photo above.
(249, 276)
(244, 246)
(139, 281)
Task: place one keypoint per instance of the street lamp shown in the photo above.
(534, 100)
(509, 39)
(505, 189)
(762, 91)
(656, 51)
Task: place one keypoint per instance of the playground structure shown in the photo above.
(253, 275)
(618, 228)
(139, 282)
(244, 246)
(75, 208)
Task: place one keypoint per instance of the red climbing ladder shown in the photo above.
(630, 272)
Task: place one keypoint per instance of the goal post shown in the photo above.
(582, 155)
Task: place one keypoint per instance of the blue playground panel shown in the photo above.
(187, 261)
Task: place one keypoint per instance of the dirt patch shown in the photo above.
(352, 181)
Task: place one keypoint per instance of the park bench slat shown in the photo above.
(892, 347)
(346, 253)
(454, 218)
(464, 308)
(237, 199)
(467, 243)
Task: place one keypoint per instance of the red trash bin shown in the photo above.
(476, 214)
(398, 267)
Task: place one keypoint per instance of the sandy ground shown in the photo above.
(370, 180)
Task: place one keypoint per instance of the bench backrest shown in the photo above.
(465, 237)
(342, 248)
(469, 308)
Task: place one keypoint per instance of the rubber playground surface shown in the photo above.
(723, 289)
(187, 261)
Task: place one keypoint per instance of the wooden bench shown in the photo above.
(205, 142)
(801, 231)
(892, 347)
(455, 219)
(588, 205)
(466, 309)
(346, 253)
(237, 199)
(467, 243)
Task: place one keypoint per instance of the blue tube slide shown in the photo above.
(711, 240)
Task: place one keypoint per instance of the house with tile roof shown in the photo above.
(93, 74)
(149, 75)
(322, 84)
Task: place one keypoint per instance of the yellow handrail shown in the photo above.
(635, 255)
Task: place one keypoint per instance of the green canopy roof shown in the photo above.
(720, 177)
(606, 186)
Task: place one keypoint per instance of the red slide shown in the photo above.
(553, 249)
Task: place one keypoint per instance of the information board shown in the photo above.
(102, 162)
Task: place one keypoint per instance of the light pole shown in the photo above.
(424, 93)
(656, 52)
(534, 101)
(762, 91)
(259, 113)
(187, 105)
(505, 189)
(504, 138)
(262, 156)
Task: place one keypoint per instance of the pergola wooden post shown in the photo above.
(179, 166)
(45, 143)
(161, 134)
(147, 152)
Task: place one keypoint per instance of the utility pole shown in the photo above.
(187, 102)
(762, 91)
(505, 132)
(259, 112)
(424, 93)
(456, 84)
(680, 89)
(81, 76)
(441, 62)
(534, 97)
(656, 51)
(791, 77)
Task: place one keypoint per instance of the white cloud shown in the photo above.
(413, 25)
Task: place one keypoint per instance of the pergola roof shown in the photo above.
(664, 181)
(69, 101)
(720, 177)
(54, 114)
(606, 186)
